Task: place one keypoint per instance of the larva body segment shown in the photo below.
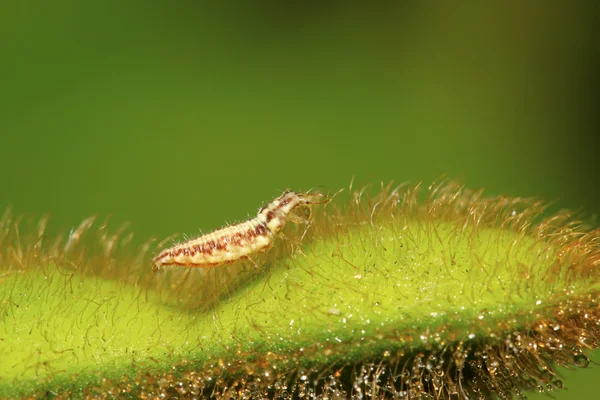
(238, 242)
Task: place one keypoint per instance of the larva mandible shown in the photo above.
(239, 241)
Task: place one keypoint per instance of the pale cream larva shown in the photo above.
(238, 242)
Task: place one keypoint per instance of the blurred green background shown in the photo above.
(180, 116)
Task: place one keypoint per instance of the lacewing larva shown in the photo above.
(239, 241)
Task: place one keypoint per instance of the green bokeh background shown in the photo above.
(180, 116)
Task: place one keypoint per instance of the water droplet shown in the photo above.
(558, 383)
(581, 361)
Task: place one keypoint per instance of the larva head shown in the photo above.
(312, 198)
(290, 206)
(289, 200)
(302, 213)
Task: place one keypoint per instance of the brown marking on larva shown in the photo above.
(198, 265)
(237, 239)
(249, 235)
(222, 243)
(162, 255)
(283, 203)
(270, 216)
(261, 229)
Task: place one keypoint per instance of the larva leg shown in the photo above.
(296, 248)
(253, 262)
(315, 198)
(295, 245)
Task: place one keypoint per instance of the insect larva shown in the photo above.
(238, 242)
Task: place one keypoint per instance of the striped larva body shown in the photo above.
(240, 241)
